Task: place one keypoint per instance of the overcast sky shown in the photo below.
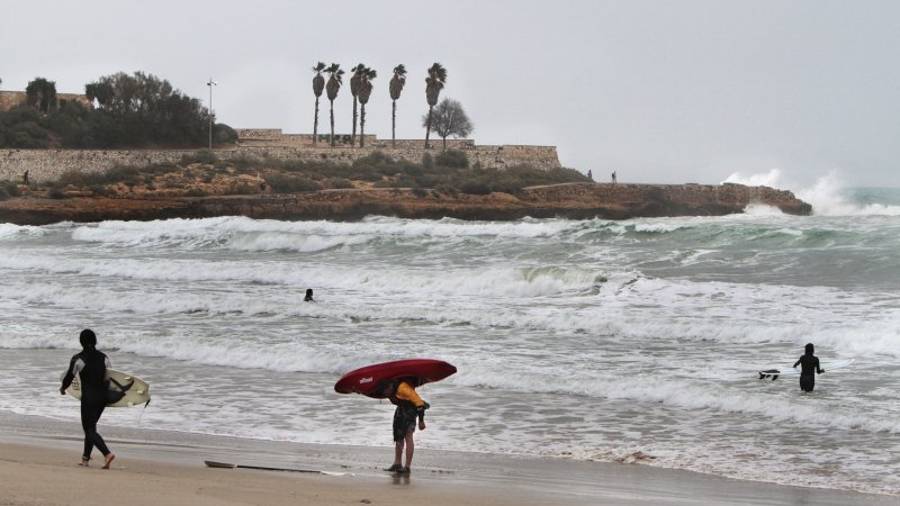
(661, 91)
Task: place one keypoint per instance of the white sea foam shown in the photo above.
(771, 178)
(827, 195)
(9, 231)
(595, 336)
(257, 235)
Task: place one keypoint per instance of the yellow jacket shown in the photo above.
(408, 393)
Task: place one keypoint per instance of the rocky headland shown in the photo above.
(565, 200)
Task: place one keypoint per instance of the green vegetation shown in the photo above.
(318, 85)
(332, 87)
(8, 189)
(202, 174)
(139, 110)
(448, 173)
(365, 91)
(396, 87)
(434, 83)
(449, 119)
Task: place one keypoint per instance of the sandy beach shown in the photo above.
(38, 457)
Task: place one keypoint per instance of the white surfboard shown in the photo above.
(137, 391)
(774, 373)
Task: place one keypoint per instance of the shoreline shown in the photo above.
(565, 200)
(174, 459)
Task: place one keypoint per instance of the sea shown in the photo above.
(633, 341)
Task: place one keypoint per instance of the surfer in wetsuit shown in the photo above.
(409, 407)
(309, 296)
(90, 365)
(810, 366)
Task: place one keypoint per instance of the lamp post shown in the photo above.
(211, 83)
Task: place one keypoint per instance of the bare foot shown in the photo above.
(109, 458)
(85, 463)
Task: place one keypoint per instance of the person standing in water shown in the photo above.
(90, 366)
(309, 296)
(409, 407)
(810, 366)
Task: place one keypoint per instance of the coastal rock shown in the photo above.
(568, 200)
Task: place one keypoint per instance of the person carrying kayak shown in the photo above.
(410, 407)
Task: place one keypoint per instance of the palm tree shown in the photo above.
(365, 91)
(396, 87)
(434, 83)
(318, 83)
(335, 79)
(355, 82)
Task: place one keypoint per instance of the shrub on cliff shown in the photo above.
(287, 183)
(200, 156)
(452, 158)
(475, 188)
(8, 189)
(338, 183)
(118, 174)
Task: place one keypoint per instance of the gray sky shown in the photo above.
(661, 91)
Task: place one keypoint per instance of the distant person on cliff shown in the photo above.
(90, 366)
(309, 296)
(614, 177)
(409, 408)
(810, 366)
(590, 176)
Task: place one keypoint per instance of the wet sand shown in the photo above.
(38, 457)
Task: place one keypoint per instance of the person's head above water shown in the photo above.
(309, 294)
(88, 339)
(810, 349)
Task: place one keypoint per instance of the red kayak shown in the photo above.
(368, 380)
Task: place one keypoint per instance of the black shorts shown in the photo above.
(404, 421)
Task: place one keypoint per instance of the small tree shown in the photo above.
(434, 83)
(396, 87)
(447, 119)
(318, 85)
(365, 91)
(41, 94)
(355, 84)
(332, 87)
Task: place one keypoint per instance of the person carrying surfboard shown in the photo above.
(90, 365)
(409, 408)
(810, 366)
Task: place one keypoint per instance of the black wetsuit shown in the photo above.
(810, 366)
(90, 365)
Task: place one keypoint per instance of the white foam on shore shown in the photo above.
(8, 231)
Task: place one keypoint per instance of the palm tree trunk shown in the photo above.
(353, 133)
(316, 124)
(394, 124)
(362, 125)
(332, 123)
(428, 128)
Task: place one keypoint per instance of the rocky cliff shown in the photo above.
(570, 200)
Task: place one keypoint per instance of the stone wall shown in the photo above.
(48, 164)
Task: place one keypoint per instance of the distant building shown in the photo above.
(10, 99)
